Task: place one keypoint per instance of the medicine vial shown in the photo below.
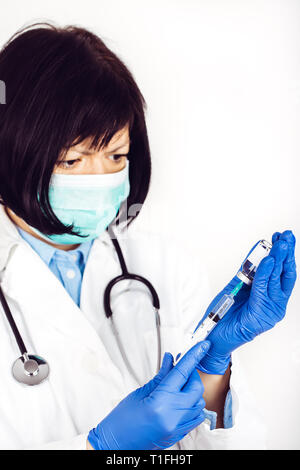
(249, 267)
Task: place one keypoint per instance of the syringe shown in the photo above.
(246, 275)
(211, 320)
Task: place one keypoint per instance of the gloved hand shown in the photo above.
(257, 308)
(160, 413)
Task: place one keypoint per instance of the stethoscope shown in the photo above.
(31, 369)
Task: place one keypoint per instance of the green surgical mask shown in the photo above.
(90, 202)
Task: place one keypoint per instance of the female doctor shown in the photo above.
(78, 372)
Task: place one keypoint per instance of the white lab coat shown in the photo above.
(87, 373)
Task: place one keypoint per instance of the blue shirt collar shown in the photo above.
(46, 251)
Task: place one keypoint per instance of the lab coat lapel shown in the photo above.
(132, 309)
(44, 300)
(103, 265)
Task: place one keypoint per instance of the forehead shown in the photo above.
(119, 138)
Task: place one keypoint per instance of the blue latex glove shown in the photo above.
(160, 413)
(257, 308)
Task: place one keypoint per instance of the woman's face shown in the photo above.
(80, 160)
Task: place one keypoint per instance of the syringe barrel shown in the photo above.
(222, 307)
(209, 323)
(199, 335)
(204, 329)
(213, 317)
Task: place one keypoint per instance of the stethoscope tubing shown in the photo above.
(126, 275)
(39, 361)
(12, 323)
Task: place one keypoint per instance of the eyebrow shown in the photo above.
(90, 152)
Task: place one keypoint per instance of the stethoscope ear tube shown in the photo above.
(107, 304)
(109, 314)
(123, 277)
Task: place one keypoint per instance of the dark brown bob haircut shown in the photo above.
(63, 85)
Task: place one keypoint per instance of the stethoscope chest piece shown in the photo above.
(30, 369)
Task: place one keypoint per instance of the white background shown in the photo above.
(221, 80)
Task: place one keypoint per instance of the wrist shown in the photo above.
(88, 445)
(214, 365)
(95, 441)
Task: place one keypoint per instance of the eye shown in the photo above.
(67, 163)
(117, 157)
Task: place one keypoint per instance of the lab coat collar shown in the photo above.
(10, 237)
(47, 251)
